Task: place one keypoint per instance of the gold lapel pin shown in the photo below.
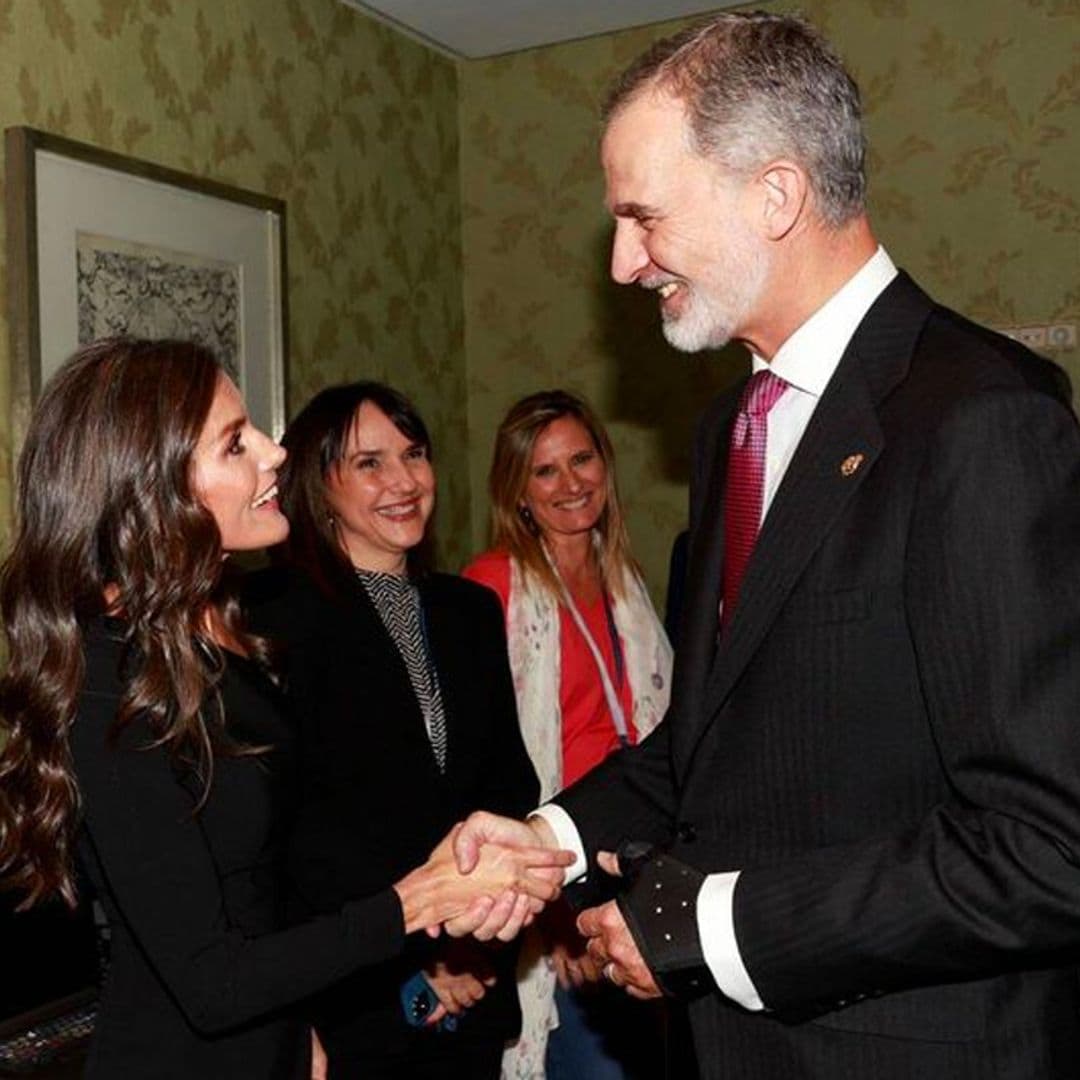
(850, 465)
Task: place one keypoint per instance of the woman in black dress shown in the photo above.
(145, 738)
(405, 721)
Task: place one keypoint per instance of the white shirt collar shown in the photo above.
(809, 357)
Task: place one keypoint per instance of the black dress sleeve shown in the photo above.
(161, 877)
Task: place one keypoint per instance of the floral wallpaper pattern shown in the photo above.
(445, 222)
(974, 125)
(354, 125)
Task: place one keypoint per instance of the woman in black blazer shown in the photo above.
(406, 722)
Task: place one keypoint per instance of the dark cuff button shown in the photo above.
(686, 832)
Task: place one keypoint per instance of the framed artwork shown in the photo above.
(100, 244)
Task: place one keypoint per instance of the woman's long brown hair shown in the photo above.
(105, 503)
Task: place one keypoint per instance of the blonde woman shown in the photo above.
(591, 667)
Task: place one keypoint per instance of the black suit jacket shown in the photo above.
(372, 802)
(887, 741)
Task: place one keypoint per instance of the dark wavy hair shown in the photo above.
(105, 504)
(316, 441)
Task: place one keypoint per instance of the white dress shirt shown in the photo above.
(807, 361)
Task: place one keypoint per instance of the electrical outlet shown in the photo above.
(1061, 336)
(1057, 336)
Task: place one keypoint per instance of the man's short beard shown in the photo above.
(698, 328)
(709, 321)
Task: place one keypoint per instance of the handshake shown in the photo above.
(490, 876)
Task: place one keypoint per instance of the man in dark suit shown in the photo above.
(865, 799)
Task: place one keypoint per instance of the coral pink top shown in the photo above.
(588, 732)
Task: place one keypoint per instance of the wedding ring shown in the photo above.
(609, 971)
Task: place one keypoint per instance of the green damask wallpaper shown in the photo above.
(446, 230)
(974, 124)
(351, 123)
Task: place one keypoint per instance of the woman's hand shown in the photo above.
(505, 916)
(438, 892)
(460, 976)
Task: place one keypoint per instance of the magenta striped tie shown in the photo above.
(746, 481)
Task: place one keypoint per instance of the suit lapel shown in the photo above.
(813, 494)
(706, 557)
(697, 644)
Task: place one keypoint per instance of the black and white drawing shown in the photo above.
(143, 291)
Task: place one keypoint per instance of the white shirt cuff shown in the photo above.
(567, 837)
(716, 931)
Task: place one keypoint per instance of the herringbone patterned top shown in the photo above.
(397, 600)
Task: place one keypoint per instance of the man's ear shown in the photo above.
(784, 188)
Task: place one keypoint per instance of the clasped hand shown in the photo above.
(611, 945)
(611, 948)
(460, 974)
(485, 844)
(492, 891)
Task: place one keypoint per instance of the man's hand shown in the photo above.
(484, 828)
(614, 951)
(504, 883)
(509, 913)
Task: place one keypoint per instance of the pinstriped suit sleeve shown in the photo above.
(632, 795)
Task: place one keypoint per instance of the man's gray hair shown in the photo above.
(759, 86)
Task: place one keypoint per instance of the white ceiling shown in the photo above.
(476, 28)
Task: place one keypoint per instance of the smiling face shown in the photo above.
(567, 487)
(381, 492)
(682, 225)
(234, 474)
